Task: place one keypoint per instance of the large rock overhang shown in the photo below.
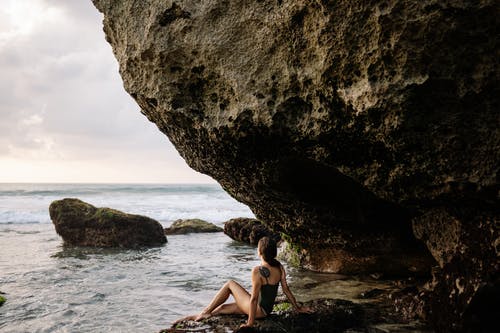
(326, 118)
(340, 123)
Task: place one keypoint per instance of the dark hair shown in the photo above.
(267, 248)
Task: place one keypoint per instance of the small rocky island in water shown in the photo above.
(366, 133)
(81, 224)
(187, 226)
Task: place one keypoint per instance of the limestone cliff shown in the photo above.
(340, 123)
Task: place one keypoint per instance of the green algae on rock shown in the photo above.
(280, 307)
(2, 300)
(187, 226)
(82, 224)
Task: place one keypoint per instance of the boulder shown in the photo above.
(329, 316)
(81, 224)
(304, 116)
(191, 226)
(248, 230)
(464, 292)
(340, 123)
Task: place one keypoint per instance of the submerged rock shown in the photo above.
(187, 226)
(248, 230)
(372, 293)
(82, 224)
(410, 303)
(337, 122)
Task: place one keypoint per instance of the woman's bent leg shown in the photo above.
(229, 308)
(221, 296)
(242, 301)
(241, 296)
(217, 306)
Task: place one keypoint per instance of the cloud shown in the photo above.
(22, 17)
(62, 102)
(32, 120)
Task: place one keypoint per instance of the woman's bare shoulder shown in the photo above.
(255, 269)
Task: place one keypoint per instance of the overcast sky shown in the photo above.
(64, 114)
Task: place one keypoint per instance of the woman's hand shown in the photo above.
(247, 325)
(304, 309)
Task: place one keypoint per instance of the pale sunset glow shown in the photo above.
(64, 115)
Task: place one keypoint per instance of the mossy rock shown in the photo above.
(191, 226)
(81, 224)
(248, 230)
(290, 253)
(329, 315)
(2, 300)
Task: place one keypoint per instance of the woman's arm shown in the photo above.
(289, 295)
(254, 297)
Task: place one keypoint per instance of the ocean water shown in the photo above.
(53, 288)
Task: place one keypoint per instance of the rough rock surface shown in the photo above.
(466, 285)
(248, 230)
(330, 315)
(337, 122)
(331, 260)
(191, 226)
(410, 303)
(82, 224)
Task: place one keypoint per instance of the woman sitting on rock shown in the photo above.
(265, 282)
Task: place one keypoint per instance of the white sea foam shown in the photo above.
(28, 203)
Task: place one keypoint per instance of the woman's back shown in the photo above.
(270, 274)
(270, 278)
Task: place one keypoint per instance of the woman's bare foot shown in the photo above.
(203, 315)
(192, 317)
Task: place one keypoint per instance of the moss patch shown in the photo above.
(108, 213)
(291, 252)
(281, 307)
(2, 300)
